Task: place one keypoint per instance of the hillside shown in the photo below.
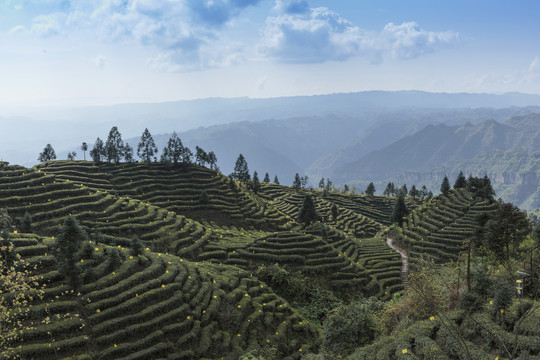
(438, 150)
(217, 275)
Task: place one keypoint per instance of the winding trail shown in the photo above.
(404, 260)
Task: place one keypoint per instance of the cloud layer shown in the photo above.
(189, 34)
(319, 34)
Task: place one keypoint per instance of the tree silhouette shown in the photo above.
(307, 212)
(84, 148)
(266, 178)
(445, 186)
(400, 210)
(174, 150)
(147, 147)
(370, 190)
(297, 182)
(461, 182)
(114, 146)
(69, 242)
(241, 171)
(47, 154)
(98, 150)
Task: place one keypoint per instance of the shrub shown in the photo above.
(347, 328)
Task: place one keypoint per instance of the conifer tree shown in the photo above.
(413, 192)
(212, 161)
(201, 157)
(307, 212)
(461, 182)
(114, 146)
(400, 210)
(266, 178)
(423, 192)
(203, 198)
(370, 190)
(26, 223)
(297, 183)
(128, 153)
(47, 154)
(276, 180)
(445, 186)
(255, 184)
(321, 183)
(187, 155)
(241, 171)
(68, 244)
(174, 150)
(147, 147)
(98, 151)
(390, 189)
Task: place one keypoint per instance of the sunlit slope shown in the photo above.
(153, 305)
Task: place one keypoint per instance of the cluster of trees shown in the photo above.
(114, 149)
(423, 193)
(241, 173)
(479, 187)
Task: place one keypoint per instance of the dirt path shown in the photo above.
(404, 260)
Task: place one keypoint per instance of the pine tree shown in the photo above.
(147, 147)
(241, 171)
(68, 244)
(84, 148)
(174, 150)
(98, 151)
(400, 210)
(128, 153)
(114, 146)
(297, 183)
(212, 161)
(321, 183)
(413, 192)
(276, 180)
(26, 223)
(307, 212)
(203, 198)
(201, 157)
(445, 186)
(187, 155)
(255, 184)
(47, 154)
(461, 182)
(266, 178)
(423, 192)
(390, 189)
(370, 190)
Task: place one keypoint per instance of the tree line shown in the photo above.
(115, 150)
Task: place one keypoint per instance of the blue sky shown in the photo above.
(94, 52)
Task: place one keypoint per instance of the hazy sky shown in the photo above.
(91, 52)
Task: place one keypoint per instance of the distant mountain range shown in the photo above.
(351, 138)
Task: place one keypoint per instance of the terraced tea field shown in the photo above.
(193, 293)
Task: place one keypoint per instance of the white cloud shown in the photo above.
(182, 32)
(321, 35)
